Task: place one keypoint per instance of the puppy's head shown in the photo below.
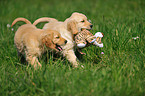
(77, 22)
(54, 40)
(58, 39)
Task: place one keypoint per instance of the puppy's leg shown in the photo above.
(20, 52)
(21, 57)
(70, 55)
(33, 60)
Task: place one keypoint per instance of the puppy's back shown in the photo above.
(22, 31)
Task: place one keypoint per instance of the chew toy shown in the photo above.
(86, 38)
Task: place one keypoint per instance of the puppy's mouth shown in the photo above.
(58, 47)
(86, 29)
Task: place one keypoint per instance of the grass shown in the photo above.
(118, 72)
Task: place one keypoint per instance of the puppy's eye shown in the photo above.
(57, 37)
(83, 21)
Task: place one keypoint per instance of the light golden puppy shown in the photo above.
(68, 29)
(31, 41)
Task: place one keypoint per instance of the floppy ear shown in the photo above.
(71, 26)
(48, 43)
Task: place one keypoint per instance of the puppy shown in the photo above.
(70, 27)
(31, 41)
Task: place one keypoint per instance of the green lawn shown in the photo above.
(120, 71)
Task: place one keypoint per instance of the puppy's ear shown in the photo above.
(48, 43)
(71, 26)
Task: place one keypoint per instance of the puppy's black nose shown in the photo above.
(65, 41)
(91, 26)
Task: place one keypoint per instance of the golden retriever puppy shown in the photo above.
(71, 26)
(33, 42)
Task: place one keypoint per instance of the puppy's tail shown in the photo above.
(20, 19)
(44, 19)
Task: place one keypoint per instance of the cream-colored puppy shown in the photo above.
(31, 41)
(68, 29)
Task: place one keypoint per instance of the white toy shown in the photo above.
(98, 36)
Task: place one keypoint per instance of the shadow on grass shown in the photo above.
(92, 56)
